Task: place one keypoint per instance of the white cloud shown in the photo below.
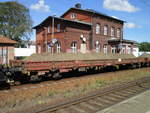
(119, 5)
(131, 25)
(40, 6)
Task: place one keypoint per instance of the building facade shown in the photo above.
(82, 30)
(6, 50)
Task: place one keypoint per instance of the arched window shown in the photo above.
(97, 46)
(49, 48)
(113, 49)
(106, 30)
(74, 47)
(58, 47)
(98, 28)
(118, 32)
(73, 15)
(112, 31)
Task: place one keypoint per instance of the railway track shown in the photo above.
(51, 82)
(71, 78)
(99, 100)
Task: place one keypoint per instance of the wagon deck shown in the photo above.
(40, 62)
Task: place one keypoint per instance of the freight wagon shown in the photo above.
(53, 65)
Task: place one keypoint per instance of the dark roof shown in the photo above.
(129, 41)
(5, 40)
(63, 19)
(123, 40)
(94, 12)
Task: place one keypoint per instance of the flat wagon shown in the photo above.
(53, 68)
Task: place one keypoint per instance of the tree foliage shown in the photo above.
(144, 46)
(15, 21)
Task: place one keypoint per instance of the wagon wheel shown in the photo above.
(56, 75)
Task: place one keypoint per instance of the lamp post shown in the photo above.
(53, 30)
(53, 22)
(45, 39)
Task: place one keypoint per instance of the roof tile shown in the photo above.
(5, 40)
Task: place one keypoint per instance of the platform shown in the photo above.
(137, 104)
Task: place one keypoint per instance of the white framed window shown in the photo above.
(48, 29)
(58, 47)
(74, 47)
(105, 49)
(98, 28)
(97, 46)
(58, 27)
(112, 31)
(113, 49)
(106, 30)
(49, 49)
(73, 16)
(118, 32)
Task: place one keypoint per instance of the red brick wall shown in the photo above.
(87, 17)
(69, 32)
(81, 16)
(103, 39)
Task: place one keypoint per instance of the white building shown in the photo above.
(24, 52)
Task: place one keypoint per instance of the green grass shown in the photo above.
(52, 93)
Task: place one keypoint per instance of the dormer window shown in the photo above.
(73, 16)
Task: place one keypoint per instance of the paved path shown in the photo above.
(136, 104)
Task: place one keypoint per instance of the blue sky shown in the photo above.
(134, 12)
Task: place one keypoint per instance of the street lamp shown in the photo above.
(45, 39)
(83, 38)
(53, 22)
(53, 30)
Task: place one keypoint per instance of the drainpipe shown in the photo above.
(121, 39)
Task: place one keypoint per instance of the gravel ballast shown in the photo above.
(76, 56)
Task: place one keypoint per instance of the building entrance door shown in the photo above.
(83, 48)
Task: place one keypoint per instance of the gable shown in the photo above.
(80, 15)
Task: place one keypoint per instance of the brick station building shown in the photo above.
(6, 50)
(82, 30)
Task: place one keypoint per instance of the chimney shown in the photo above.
(78, 5)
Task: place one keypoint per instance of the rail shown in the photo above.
(101, 99)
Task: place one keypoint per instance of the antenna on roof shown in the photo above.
(78, 5)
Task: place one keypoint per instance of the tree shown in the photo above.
(15, 21)
(144, 46)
